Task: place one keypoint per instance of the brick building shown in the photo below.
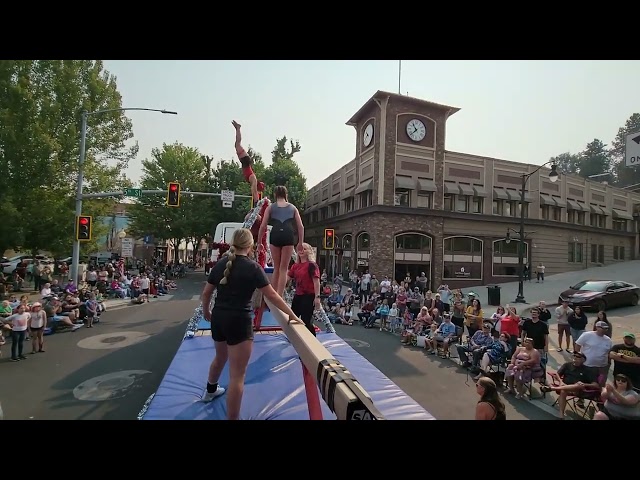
(406, 204)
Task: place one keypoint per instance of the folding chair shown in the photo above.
(576, 402)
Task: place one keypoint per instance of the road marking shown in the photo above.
(195, 298)
(164, 298)
(108, 341)
(109, 386)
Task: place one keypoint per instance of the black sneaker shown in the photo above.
(14, 360)
(22, 357)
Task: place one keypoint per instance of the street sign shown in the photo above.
(133, 192)
(148, 239)
(127, 247)
(632, 156)
(226, 204)
(227, 196)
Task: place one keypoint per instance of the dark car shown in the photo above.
(601, 294)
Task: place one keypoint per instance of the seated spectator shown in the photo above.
(626, 359)
(46, 290)
(621, 402)
(56, 289)
(53, 308)
(366, 311)
(334, 299)
(422, 321)
(70, 287)
(524, 367)
(116, 289)
(573, 378)
(498, 351)
(478, 345)
(446, 334)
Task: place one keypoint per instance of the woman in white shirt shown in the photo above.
(35, 325)
(46, 291)
(19, 323)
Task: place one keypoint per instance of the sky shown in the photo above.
(523, 111)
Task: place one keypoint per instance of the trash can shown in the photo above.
(493, 295)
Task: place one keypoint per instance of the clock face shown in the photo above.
(416, 130)
(367, 138)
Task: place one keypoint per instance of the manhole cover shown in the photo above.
(109, 386)
(109, 340)
(113, 339)
(356, 343)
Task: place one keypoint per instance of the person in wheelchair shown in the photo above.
(478, 345)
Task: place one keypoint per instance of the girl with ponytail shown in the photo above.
(306, 274)
(236, 277)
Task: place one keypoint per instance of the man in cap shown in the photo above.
(596, 347)
(626, 359)
(574, 378)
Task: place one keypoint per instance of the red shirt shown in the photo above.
(510, 325)
(304, 282)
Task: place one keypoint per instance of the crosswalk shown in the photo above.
(195, 297)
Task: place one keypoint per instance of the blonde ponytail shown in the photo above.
(231, 256)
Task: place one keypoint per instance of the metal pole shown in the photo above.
(76, 244)
(399, 75)
(520, 297)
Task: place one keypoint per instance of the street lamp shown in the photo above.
(553, 177)
(83, 138)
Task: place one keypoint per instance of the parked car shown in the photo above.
(9, 266)
(601, 294)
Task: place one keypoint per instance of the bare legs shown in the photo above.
(238, 356)
(238, 145)
(241, 152)
(276, 256)
(281, 257)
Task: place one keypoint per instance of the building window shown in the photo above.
(575, 252)
(620, 225)
(597, 220)
(508, 208)
(425, 199)
(402, 198)
(505, 257)
(462, 258)
(597, 253)
(548, 212)
(618, 253)
(449, 202)
(349, 204)
(462, 203)
(366, 199)
(412, 255)
(362, 252)
(476, 204)
(335, 209)
(346, 255)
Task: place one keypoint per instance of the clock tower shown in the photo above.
(400, 136)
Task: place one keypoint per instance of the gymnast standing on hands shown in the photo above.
(285, 222)
(246, 161)
(235, 277)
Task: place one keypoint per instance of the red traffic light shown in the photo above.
(84, 221)
(329, 233)
(173, 187)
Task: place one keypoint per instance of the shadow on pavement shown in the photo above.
(125, 402)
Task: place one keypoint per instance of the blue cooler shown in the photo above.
(269, 272)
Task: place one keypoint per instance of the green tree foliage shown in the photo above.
(567, 162)
(285, 171)
(40, 116)
(595, 159)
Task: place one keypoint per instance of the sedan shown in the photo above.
(601, 294)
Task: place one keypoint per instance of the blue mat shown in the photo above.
(274, 389)
(267, 321)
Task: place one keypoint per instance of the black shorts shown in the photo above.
(282, 237)
(302, 306)
(231, 327)
(36, 329)
(245, 161)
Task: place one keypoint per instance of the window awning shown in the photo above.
(479, 191)
(363, 187)
(451, 188)
(407, 183)
(622, 215)
(514, 195)
(347, 193)
(597, 209)
(500, 194)
(547, 200)
(425, 185)
(466, 189)
(561, 203)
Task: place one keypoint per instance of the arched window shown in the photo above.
(462, 259)
(346, 255)
(362, 251)
(505, 257)
(412, 255)
(346, 241)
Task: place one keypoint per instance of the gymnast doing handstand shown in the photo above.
(246, 161)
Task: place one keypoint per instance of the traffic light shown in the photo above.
(329, 237)
(83, 228)
(173, 194)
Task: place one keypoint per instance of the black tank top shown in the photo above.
(496, 415)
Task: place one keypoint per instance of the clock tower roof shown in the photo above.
(381, 94)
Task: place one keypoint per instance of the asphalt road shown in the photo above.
(440, 386)
(103, 373)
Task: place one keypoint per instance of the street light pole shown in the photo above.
(553, 177)
(83, 144)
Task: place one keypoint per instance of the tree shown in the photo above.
(567, 162)
(40, 116)
(625, 175)
(285, 171)
(594, 159)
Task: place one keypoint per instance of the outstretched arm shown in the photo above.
(300, 229)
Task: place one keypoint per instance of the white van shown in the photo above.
(224, 233)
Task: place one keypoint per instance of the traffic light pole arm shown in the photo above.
(151, 192)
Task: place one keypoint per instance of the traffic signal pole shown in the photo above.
(76, 244)
(151, 192)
